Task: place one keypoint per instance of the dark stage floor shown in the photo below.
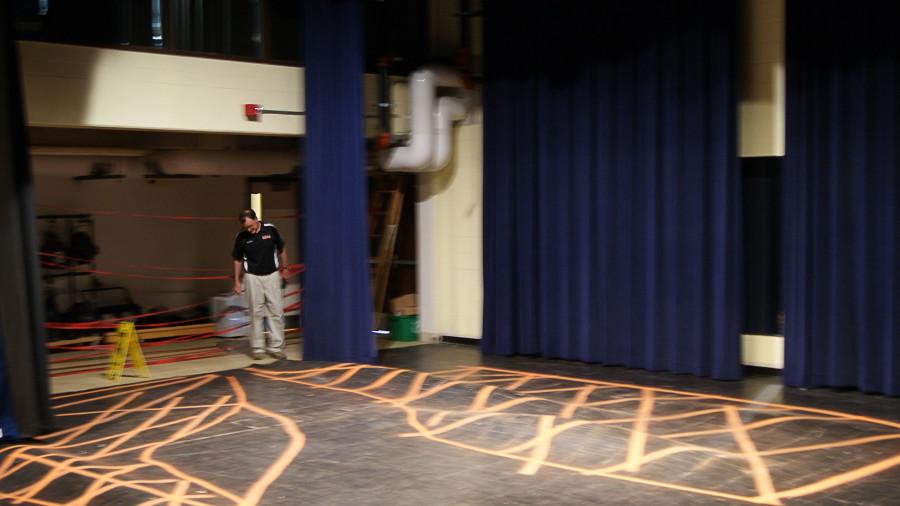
(440, 425)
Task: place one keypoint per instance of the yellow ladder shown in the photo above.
(127, 344)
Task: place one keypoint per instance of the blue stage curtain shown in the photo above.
(8, 429)
(337, 308)
(840, 195)
(611, 184)
(24, 409)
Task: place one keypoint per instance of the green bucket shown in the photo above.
(404, 328)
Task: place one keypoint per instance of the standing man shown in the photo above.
(259, 252)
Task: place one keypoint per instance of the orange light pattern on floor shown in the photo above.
(169, 420)
(591, 428)
(559, 406)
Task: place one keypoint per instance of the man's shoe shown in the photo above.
(277, 354)
(257, 355)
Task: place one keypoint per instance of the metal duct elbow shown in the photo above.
(449, 109)
(418, 155)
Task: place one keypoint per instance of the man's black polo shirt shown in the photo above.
(258, 251)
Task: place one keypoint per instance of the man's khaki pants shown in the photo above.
(265, 300)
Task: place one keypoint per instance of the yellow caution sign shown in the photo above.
(127, 344)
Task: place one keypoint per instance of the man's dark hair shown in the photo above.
(247, 213)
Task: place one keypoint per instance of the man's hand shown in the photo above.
(238, 287)
(283, 263)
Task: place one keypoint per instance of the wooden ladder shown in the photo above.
(387, 205)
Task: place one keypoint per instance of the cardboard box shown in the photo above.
(407, 311)
(403, 304)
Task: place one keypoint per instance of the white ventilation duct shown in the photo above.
(431, 122)
(449, 109)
